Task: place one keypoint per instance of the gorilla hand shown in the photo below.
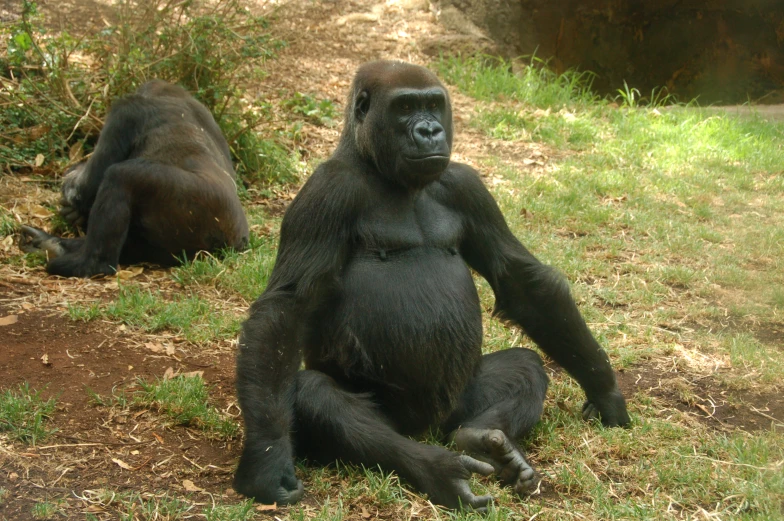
(266, 473)
(72, 208)
(610, 409)
(445, 479)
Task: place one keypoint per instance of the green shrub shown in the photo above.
(56, 89)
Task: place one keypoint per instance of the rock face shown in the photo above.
(724, 51)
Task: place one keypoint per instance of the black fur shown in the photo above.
(160, 184)
(372, 288)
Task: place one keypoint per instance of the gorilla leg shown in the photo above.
(99, 252)
(331, 423)
(500, 405)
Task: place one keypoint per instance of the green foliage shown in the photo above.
(7, 223)
(55, 104)
(319, 111)
(23, 414)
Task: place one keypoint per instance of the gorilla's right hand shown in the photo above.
(266, 473)
(446, 476)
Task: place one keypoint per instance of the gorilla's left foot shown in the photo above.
(33, 240)
(494, 447)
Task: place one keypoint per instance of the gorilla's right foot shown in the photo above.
(494, 447)
(34, 240)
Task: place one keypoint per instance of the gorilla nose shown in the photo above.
(426, 132)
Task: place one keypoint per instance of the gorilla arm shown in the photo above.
(532, 295)
(314, 244)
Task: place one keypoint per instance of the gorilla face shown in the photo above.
(403, 124)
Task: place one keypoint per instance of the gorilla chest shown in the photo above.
(408, 314)
(393, 225)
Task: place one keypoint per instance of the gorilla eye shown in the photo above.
(432, 105)
(406, 107)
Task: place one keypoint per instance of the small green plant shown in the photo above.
(629, 97)
(319, 111)
(7, 223)
(45, 510)
(24, 413)
(184, 400)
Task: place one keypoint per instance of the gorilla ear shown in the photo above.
(362, 105)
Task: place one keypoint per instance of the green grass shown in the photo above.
(24, 414)
(184, 400)
(669, 222)
(45, 510)
(191, 316)
(240, 512)
(492, 79)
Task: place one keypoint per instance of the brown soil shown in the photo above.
(99, 447)
(704, 400)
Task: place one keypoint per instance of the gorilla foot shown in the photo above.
(494, 447)
(33, 240)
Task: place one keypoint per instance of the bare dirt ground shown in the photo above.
(95, 448)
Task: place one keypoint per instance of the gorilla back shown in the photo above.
(160, 184)
(372, 286)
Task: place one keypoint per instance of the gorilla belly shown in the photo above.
(408, 329)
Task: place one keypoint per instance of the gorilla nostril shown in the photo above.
(424, 131)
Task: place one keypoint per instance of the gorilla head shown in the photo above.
(399, 120)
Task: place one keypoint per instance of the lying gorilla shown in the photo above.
(159, 184)
(372, 285)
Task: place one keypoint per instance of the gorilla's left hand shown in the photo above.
(609, 408)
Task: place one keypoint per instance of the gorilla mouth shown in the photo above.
(428, 157)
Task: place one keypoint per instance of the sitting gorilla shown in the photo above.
(160, 184)
(372, 285)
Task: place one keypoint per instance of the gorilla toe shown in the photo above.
(33, 240)
(494, 447)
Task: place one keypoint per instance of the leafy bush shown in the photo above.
(55, 89)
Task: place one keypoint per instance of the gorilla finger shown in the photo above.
(480, 503)
(72, 217)
(475, 466)
(590, 412)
